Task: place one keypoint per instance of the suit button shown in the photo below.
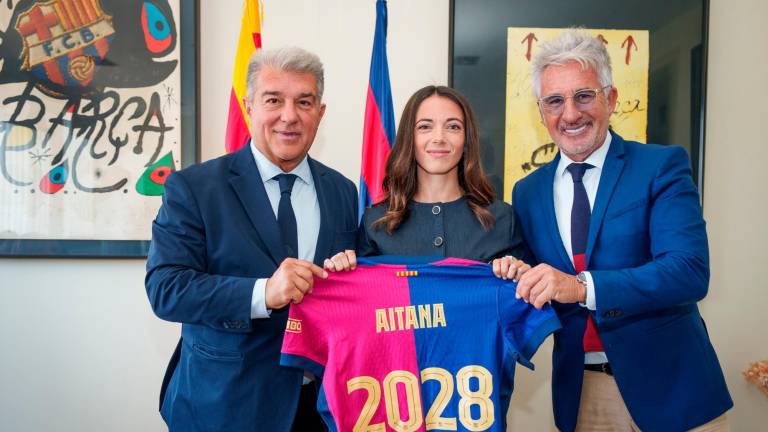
(438, 241)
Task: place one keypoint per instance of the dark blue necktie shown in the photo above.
(285, 216)
(580, 215)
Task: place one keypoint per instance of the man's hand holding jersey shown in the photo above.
(545, 283)
(291, 282)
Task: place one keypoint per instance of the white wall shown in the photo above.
(81, 350)
(735, 198)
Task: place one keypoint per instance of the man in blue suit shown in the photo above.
(237, 240)
(617, 229)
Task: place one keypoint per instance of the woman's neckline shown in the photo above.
(445, 203)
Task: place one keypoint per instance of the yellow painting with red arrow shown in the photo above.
(527, 145)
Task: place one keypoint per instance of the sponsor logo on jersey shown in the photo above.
(293, 325)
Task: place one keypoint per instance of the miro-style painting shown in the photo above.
(90, 119)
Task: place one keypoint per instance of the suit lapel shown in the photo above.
(249, 188)
(324, 237)
(612, 168)
(548, 203)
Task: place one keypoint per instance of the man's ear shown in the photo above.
(247, 106)
(322, 110)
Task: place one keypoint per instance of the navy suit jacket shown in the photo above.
(214, 235)
(648, 255)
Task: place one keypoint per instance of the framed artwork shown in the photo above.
(98, 105)
(658, 53)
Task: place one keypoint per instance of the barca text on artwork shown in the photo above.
(89, 116)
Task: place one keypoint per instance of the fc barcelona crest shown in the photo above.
(64, 41)
(77, 48)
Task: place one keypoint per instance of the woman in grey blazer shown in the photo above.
(438, 200)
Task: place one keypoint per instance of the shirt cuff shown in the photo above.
(590, 303)
(259, 300)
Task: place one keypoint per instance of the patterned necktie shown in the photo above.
(285, 216)
(580, 216)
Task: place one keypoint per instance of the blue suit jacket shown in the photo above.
(648, 256)
(214, 235)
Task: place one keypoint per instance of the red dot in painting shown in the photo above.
(160, 174)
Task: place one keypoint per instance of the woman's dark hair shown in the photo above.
(400, 181)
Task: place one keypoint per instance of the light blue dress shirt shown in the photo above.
(305, 206)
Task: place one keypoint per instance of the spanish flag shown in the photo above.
(379, 126)
(249, 41)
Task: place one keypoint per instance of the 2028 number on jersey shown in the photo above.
(413, 419)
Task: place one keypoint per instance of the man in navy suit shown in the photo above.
(237, 240)
(617, 229)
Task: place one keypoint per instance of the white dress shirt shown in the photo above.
(563, 197)
(305, 207)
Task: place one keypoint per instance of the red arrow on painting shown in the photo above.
(530, 38)
(602, 39)
(629, 41)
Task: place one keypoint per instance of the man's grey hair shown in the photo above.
(572, 45)
(288, 59)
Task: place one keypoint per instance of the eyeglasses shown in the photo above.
(584, 98)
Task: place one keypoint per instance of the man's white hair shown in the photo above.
(289, 59)
(573, 45)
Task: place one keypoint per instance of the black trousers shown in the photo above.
(307, 418)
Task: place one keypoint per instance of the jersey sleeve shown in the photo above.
(305, 343)
(524, 326)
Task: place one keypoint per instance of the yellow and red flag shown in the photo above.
(248, 42)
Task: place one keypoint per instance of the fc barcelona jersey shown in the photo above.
(415, 347)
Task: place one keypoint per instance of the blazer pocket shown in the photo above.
(628, 208)
(344, 240)
(216, 354)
